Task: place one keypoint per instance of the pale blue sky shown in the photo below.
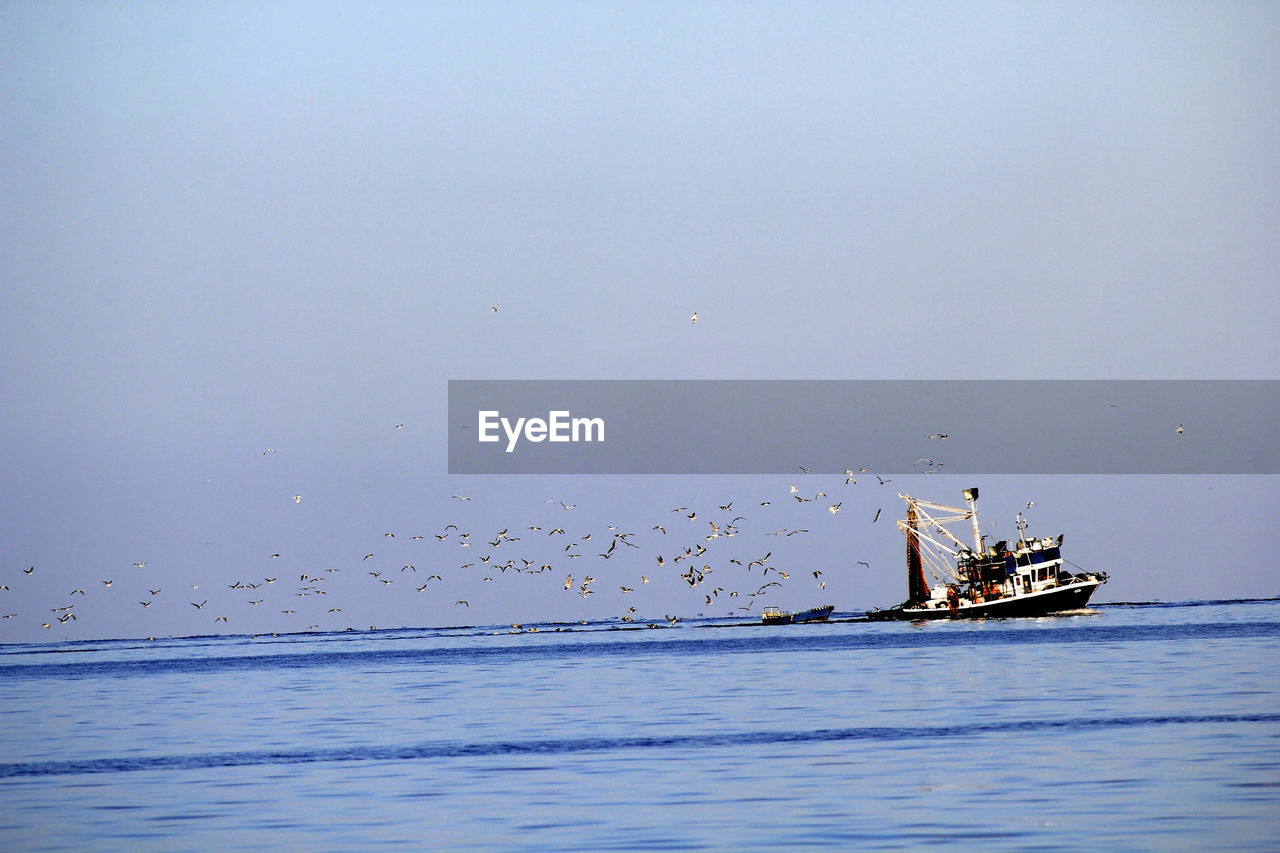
(229, 227)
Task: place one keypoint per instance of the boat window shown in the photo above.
(1037, 556)
(1051, 553)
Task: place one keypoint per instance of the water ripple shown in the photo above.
(945, 635)
(435, 750)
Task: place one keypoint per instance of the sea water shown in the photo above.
(1150, 727)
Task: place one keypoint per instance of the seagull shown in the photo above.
(937, 435)
(835, 508)
(461, 498)
(141, 565)
(864, 563)
(1179, 429)
(297, 499)
(877, 518)
(200, 605)
(463, 603)
(694, 318)
(1030, 504)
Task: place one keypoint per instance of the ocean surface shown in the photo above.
(1126, 727)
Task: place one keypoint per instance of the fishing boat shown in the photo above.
(774, 616)
(973, 581)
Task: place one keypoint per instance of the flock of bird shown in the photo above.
(720, 554)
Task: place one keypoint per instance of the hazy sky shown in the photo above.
(228, 228)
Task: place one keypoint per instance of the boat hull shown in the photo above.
(1073, 596)
(817, 614)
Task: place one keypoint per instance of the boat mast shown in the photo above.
(917, 585)
(971, 495)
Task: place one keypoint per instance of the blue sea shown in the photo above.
(1126, 727)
